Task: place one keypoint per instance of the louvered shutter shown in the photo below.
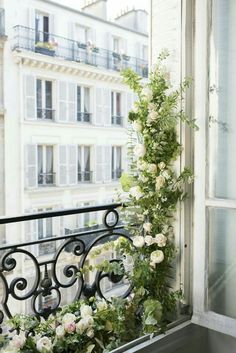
(106, 107)
(99, 107)
(52, 29)
(99, 164)
(30, 97)
(31, 170)
(62, 109)
(72, 89)
(62, 165)
(107, 163)
(72, 164)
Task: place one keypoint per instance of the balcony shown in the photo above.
(46, 114)
(117, 120)
(46, 179)
(85, 176)
(25, 38)
(83, 117)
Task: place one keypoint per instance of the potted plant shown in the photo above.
(81, 45)
(116, 55)
(125, 57)
(46, 48)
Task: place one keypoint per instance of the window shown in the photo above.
(45, 165)
(41, 27)
(83, 104)
(44, 100)
(116, 162)
(84, 168)
(45, 230)
(144, 52)
(116, 55)
(116, 118)
(82, 34)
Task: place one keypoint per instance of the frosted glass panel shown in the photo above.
(222, 261)
(222, 112)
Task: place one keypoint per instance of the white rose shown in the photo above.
(143, 178)
(166, 174)
(151, 106)
(137, 126)
(147, 227)
(60, 331)
(83, 324)
(138, 241)
(149, 240)
(152, 116)
(147, 92)
(160, 239)
(90, 333)
(44, 344)
(160, 181)
(18, 341)
(102, 305)
(135, 109)
(161, 165)
(152, 168)
(142, 165)
(68, 318)
(86, 310)
(139, 150)
(156, 257)
(136, 192)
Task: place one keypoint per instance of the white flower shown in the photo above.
(156, 257)
(137, 126)
(44, 344)
(147, 227)
(90, 348)
(60, 331)
(135, 109)
(142, 178)
(102, 305)
(152, 168)
(142, 165)
(136, 192)
(18, 341)
(166, 174)
(86, 310)
(160, 239)
(90, 333)
(84, 323)
(160, 181)
(152, 116)
(68, 318)
(161, 165)
(165, 228)
(149, 240)
(139, 150)
(147, 92)
(69, 327)
(151, 106)
(138, 241)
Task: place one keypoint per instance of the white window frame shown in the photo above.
(43, 95)
(114, 150)
(44, 160)
(82, 147)
(201, 314)
(86, 32)
(116, 119)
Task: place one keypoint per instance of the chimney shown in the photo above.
(132, 18)
(96, 8)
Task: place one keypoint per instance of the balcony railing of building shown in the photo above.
(84, 117)
(117, 120)
(85, 176)
(46, 114)
(2, 22)
(116, 174)
(56, 273)
(28, 39)
(46, 179)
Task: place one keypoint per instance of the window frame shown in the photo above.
(44, 98)
(44, 163)
(83, 170)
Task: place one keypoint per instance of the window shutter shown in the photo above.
(106, 107)
(99, 107)
(62, 172)
(107, 163)
(31, 169)
(99, 164)
(72, 89)
(72, 164)
(30, 97)
(52, 29)
(62, 109)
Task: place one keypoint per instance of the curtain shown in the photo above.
(87, 158)
(86, 100)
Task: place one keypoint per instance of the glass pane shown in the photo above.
(40, 164)
(87, 158)
(40, 228)
(48, 94)
(118, 158)
(222, 123)
(112, 103)
(49, 159)
(118, 104)
(222, 261)
(39, 96)
(86, 100)
(79, 99)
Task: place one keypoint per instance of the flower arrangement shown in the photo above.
(51, 45)
(152, 191)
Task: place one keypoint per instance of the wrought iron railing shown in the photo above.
(84, 117)
(45, 114)
(2, 22)
(49, 44)
(117, 120)
(46, 179)
(43, 281)
(85, 176)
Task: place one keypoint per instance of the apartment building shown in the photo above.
(63, 121)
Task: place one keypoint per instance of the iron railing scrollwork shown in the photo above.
(54, 274)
